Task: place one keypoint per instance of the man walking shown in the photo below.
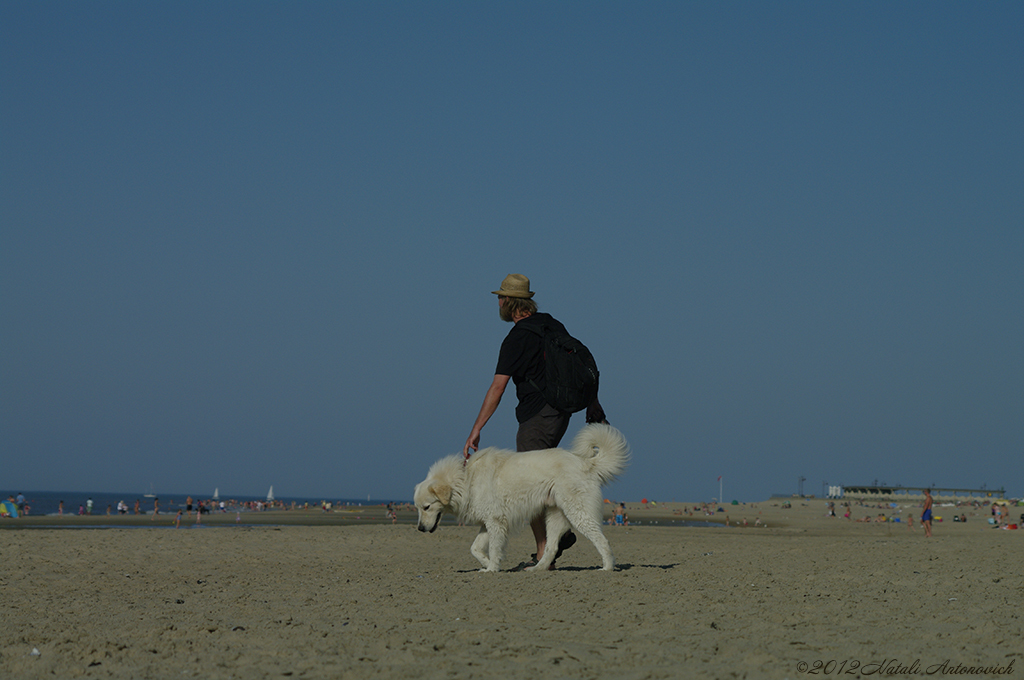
(521, 359)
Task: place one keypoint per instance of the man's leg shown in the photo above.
(543, 431)
(540, 535)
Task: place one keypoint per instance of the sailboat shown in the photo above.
(151, 494)
(216, 494)
(270, 495)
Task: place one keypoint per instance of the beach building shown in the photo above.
(913, 493)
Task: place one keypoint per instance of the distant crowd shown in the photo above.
(999, 512)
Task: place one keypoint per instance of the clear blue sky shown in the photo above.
(246, 243)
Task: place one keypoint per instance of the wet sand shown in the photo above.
(341, 595)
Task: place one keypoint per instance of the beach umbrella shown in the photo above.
(10, 508)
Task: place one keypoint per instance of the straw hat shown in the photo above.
(515, 285)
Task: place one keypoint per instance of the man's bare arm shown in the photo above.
(490, 405)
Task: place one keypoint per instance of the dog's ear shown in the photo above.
(442, 492)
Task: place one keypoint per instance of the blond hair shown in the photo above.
(513, 307)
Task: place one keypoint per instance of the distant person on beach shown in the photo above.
(88, 507)
(521, 360)
(60, 508)
(926, 516)
(188, 506)
(20, 502)
(137, 511)
(156, 509)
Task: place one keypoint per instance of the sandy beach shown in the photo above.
(310, 595)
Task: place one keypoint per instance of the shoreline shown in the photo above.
(772, 514)
(639, 513)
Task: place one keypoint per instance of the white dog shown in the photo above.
(504, 490)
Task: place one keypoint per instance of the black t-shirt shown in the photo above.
(522, 357)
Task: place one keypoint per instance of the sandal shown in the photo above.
(567, 541)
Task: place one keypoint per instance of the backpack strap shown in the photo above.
(539, 331)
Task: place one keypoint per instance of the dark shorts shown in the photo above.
(926, 516)
(543, 431)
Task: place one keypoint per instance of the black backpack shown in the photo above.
(570, 372)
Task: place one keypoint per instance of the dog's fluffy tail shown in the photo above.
(605, 448)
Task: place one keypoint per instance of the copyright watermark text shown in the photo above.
(894, 667)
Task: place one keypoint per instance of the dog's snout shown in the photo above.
(422, 528)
